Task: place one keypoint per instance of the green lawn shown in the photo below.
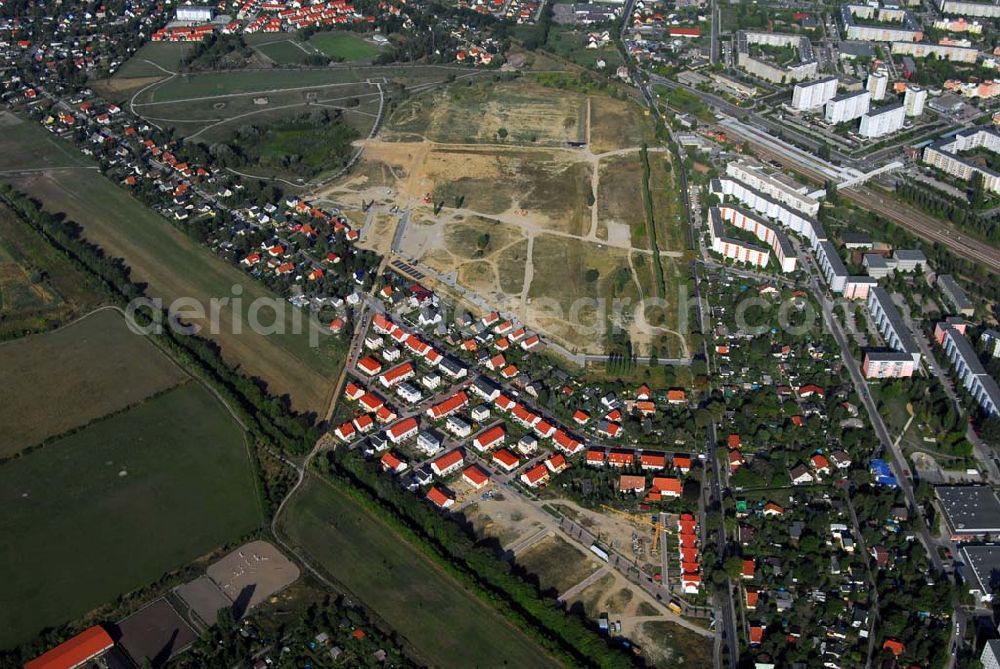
(344, 46)
(227, 83)
(114, 506)
(151, 57)
(284, 52)
(447, 625)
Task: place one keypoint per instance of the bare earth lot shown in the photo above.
(538, 195)
(97, 366)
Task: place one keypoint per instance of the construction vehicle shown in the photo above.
(641, 520)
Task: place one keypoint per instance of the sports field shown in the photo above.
(288, 49)
(174, 266)
(112, 507)
(64, 379)
(444, 623)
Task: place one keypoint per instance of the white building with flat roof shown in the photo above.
(809, 95)
(883, 121)
(848, 107)
(946, 155)
(877, 84)
(776, 186)
(914, 100)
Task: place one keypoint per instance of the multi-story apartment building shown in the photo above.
(883, 121)
(946, 155)
(848, 107)
(809, 95)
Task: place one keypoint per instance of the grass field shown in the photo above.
(114, 506)
(96, 366)
(26, 145)
(447, 625)
(344, 46)
(152, 59)
(174, 266)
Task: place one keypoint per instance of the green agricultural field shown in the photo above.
(26, 145)
(174, 266)
(446, 625)
(114, 506)
(97, 366)
(344, 46)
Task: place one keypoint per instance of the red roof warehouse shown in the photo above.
(80, 649)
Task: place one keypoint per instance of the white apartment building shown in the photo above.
(811, 95)
(914, 100)
(883, 121)
(778, 187)
(848, 107)
(765, 232)
(946, 155)
(969, 370)
(877, 84)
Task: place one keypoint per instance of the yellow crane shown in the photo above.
(642, 520)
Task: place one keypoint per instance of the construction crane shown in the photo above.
(642, 520)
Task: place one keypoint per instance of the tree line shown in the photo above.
(503, 584)
(267, 417)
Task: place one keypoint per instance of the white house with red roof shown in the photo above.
(346, 432)
(391, 463)
(556, 463)
(536, 476)
(595, 457)
(402, 430)
(475, 477)
(397, 374)
(506, 460)
(449, 462)
(369, 365)
(490, 438)
(440, 498)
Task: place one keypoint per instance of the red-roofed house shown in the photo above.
(894, 647)
(353, 391)
(370, 402)
(77, 651)
(440, 498)
(820, 464)
(364, 423)
(449, 406)
(620, 458)
(595, 457)
(654, 461)
(369, 365)
(475, 476)
(544, 429)
(556, 463)
(524, 417)
(643, 392)
(749, 568)
(447, 463)
(734, 441)
(391, 463)
(490, 438)
(504, 403)
(506, 460)
(772, 509)
(668, 486)
(735, 460)
(345, 431)
(751, 599)
(581, 417)
(811, 389)
(397, 375)
(676, 396)
(682, 463)
(402, 430)
(535, 476)
(631, 483)
(756, 635)
(566, 443)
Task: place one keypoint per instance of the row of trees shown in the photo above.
(505, 585)
(268, 417)
(958, 212)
